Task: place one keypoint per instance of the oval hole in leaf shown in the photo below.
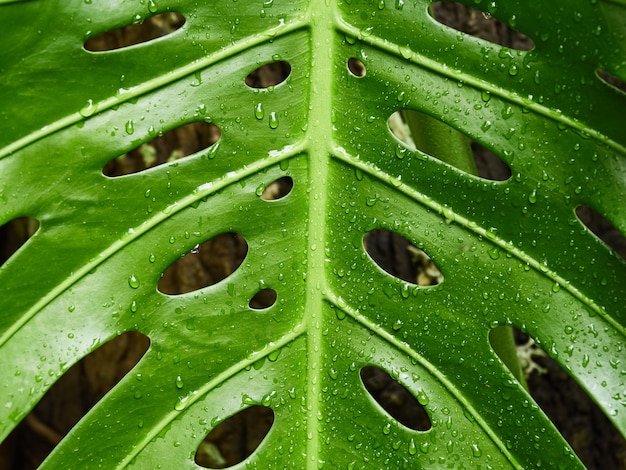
(406, 123)
(278, 189)
(400, 258)
(149, 29)
(396, 399)
(173, 145)
(611, 80)
(14, 234)
(356, 67)
(236, 438)
(207, 264)
(603, 229)
(74, 394)
(269, 75)
(590, 434)
(480, 24)
(263, 299)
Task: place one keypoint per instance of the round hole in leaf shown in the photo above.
(14, 234)
(263, 299)
(602, 228)
(480, 24)
(235, 439)
(400, 258)
(356, 67)
(206, 264)
(278, 189)
(172, 145)
(148, 29)
(269, 75)
(396, 399)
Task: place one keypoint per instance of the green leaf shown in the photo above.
(511, 252)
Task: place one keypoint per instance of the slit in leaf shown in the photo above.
(489, 165)
(173, 145)
(236, 438)
(269, 75)
(396, 399)
(419, 131)
(207, 264)
(143, 30)
(561, 398)
(277, 189)
(76, 392)
(398, 257)
(263, 299)
(356, 67)
(480, 24)
(14, 234)
(611, 80)
(603, 229)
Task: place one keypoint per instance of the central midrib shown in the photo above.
(321, 18)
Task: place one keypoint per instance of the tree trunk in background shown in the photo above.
(594, 439)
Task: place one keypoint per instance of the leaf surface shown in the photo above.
(511, 252)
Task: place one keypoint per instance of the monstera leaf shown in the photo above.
(511, 252)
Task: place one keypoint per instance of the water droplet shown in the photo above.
(387, 429)
(133, 306)
(179, 382)
(406, 52)
(494, 253)
(422, 398)
(513, 70)
(88, 110)
(183, 402)
(273, 355)
(130, 127)
(400, 151)
(476, 452)
(258, 111)
(399, 4)
(273, 120)
(585, 360)
(485, 126)
(532, 197)
(152, 258)
(71, 308)
(152, 7)
(133, 282)
(260, 188)
(412, 447)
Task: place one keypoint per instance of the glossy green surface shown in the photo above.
(511, 252)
